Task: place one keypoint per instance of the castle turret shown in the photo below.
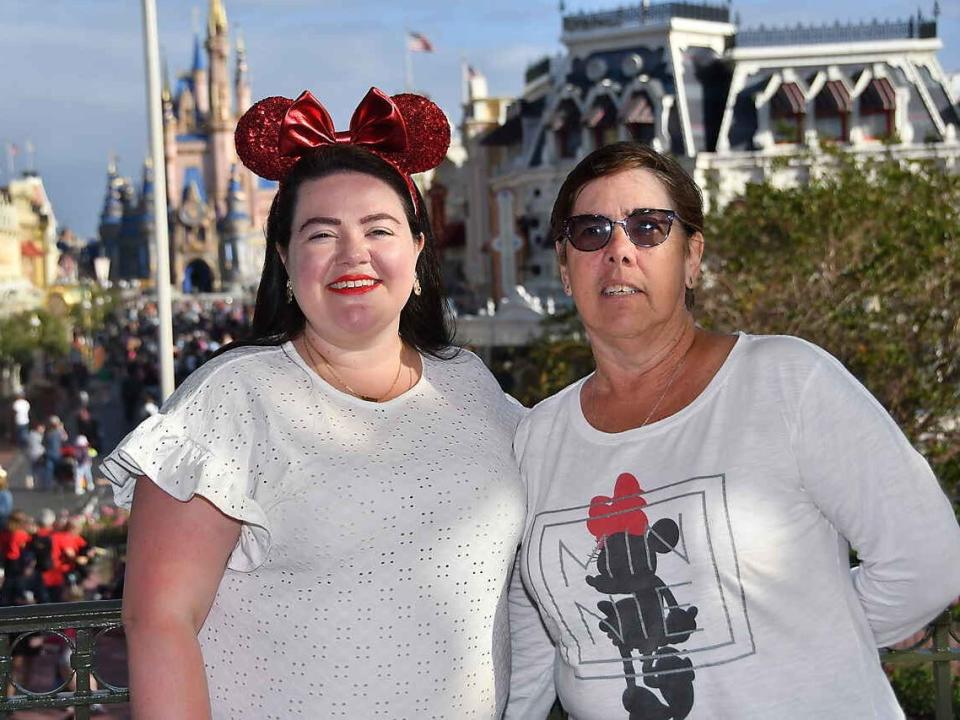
(147, 216)
(201, 87)
(241, 81)
(234, 229)
(221, 120)
(111, 216)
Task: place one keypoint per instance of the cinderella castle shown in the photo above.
(216, 206)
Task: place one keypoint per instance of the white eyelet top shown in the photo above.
(369, 579)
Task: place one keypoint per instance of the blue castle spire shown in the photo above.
(199, 58)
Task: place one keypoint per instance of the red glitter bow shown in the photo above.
(376, 123)
(408, 131)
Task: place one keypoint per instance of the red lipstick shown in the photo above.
(359, 284)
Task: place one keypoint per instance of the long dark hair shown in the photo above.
(425, 321)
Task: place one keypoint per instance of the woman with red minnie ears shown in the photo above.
(325, 516)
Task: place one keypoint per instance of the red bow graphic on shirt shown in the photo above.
(621, 513)
(376, 124)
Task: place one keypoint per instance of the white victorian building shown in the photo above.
(734, 105)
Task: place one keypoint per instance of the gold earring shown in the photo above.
(289, 291)
(417, 288)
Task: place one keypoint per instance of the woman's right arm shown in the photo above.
(176, 555)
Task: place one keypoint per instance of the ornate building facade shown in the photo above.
(28, 243)
(216, 206)
(734, 106)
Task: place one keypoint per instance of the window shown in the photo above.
(566, 129)
(831, 112)
(877, 105)
(602, 122)
(638, 117)
(787, 109)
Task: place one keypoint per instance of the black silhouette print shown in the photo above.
(647, 623)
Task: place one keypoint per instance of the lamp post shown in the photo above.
(155, 119)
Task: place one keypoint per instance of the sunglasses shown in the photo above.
(646, 227)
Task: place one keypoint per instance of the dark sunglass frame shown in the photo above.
(668, 216)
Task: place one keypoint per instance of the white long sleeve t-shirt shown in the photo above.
(698, 567)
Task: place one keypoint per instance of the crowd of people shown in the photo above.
(46, 559)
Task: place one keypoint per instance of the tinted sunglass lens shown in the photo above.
(588, 234)
(648, 229)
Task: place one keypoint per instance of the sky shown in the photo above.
(72, 80)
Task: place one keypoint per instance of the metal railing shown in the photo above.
(91, 620)
(77, 627)
(645, 14)
(914, 28)
(937, 645)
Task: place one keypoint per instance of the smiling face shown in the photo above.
(351, 257)
(622, 290)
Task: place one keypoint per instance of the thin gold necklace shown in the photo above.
(336, 376)
(663, 393)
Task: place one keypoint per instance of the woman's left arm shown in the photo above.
(882, 496)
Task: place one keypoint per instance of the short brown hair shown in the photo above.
(618, 157)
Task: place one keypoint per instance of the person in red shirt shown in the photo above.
(14, 545)
(70, 554)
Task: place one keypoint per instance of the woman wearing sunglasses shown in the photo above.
(691, 503)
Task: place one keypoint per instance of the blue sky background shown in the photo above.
(72, 78)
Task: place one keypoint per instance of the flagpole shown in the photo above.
(160, 229)
(408, 62)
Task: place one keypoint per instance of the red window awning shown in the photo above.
(789, 100)
(639, 111)
(834, 99)
(29, 249)
(878, 97)
(595, 116)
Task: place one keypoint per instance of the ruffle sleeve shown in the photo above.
(162, 449)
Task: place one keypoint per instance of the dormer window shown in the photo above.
(787, 109)
(831, 112)
(602, 122)
(878, 102)
(638, 118)
(566, 129)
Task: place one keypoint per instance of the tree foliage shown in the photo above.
(24, 332)
(865, 262)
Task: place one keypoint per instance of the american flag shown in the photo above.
(418, 43)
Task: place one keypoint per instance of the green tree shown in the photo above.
(865, 262)
(24, 332)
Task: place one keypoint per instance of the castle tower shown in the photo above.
(169, 137)
(146, 260)
(200, 81)
(234, 230)
(241, 78)
(111, 217)
(221, 119)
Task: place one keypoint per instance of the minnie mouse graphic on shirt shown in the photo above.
(647, 619)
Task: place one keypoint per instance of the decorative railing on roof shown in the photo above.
(538, 69)
(851, 32)
(645, 14)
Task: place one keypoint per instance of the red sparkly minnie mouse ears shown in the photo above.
(408, 131)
